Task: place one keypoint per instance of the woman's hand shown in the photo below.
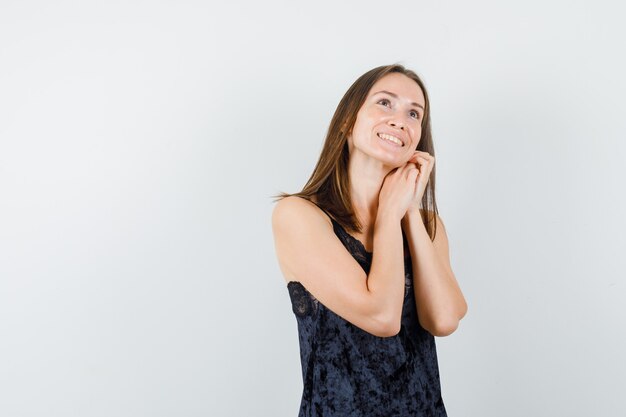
(424, 163)
(398, 191)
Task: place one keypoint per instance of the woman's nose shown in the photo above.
(397, 124)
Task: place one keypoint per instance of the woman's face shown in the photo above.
(394, 108)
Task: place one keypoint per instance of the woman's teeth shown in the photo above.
(390, 138)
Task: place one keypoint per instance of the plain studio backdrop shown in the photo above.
(140, 143)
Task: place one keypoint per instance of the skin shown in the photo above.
(373, 162)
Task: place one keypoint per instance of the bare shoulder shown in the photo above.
(296, 201)
(293, 210)
(293, 218)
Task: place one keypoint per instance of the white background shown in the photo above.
(140, 143)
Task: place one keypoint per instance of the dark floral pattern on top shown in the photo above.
(347, 371)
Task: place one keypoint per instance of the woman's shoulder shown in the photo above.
(296, 222)
(296, 209)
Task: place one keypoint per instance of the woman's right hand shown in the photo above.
(398, 190)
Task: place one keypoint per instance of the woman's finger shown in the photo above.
(424, 161)
(412, 168)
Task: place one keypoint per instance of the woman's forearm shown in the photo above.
(439, 300)
(386, 277)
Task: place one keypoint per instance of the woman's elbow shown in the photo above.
(447, 327)
(444, 328)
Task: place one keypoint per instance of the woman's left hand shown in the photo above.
(424, 162)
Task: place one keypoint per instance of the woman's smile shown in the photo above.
(392, 139)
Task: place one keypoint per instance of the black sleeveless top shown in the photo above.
(347, 371)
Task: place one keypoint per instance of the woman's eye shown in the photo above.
(387, 103)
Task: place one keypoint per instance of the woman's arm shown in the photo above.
(439, 301)
(310, 252)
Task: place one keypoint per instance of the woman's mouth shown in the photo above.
(389, 138)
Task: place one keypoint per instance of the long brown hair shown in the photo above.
(330, 183)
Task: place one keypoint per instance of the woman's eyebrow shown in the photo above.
(394, 95)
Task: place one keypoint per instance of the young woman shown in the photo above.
(365, 257)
